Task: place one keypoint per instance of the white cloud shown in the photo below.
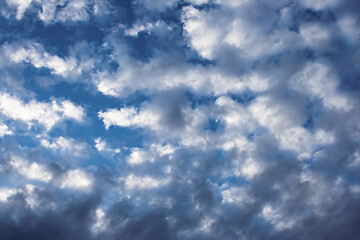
(202, 31)
(139, 156)
(319, 81)
(103, 146)
(30, 196)
(209, 31)
(65, 10)
(163, 150)
(235, 115)
(284, 121)
(46, 114)
(100, 222)
(76, 179)
(37, 56)
(128, 116)
(144, 182)
(123, 117)
(314, 34)
(30, 170)
(160, 74)
(275, 217)
(236, 195)
(4, 130)
(249, 168)
(74, 11)
(157, 27)
(67, 146)
(349, 26)
(251, 41)
(5, 193)
(275, 115)
(155, 151)
(21, 6)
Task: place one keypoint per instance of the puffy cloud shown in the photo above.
(208, 33)
(37, 56)
(123, 117)
(4, 130)
(100, 221)
(317, 79)
(223, 120)
(67, 146)
(43, 113)
(31, 170)
(103, 146)
(236, 195)
(76, 179)
(5, 193)
(203, 31)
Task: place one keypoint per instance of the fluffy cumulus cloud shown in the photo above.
(196, 119)
(45, 114)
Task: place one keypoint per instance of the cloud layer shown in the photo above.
(197, 119)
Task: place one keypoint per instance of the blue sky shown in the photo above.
(179, 119)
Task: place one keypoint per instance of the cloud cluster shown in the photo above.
(197, 119)
(56, 10)
(46, 114)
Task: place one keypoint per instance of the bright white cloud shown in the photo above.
(46, 114)
(203, 32)
(37, 56)
(275, 115)
(76, 179)
(31, 170)
(208, 31)
(5, 193)
(139, 156)
(127, 117)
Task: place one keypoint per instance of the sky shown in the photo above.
(179, 119)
